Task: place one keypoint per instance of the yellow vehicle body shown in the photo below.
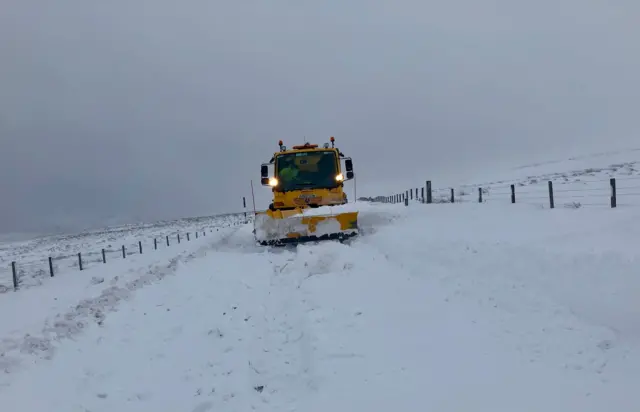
(310, 206)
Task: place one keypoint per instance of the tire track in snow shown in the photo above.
(65, 326)
(280, 344)
(179, 346)
(281, 353)
(250, 333)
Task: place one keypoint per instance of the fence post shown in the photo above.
(50, 266)
(614, 200)
(411, 193)
(104, 257)
(429, 195)
(80, 260)
(178, 237)
(513, 193)
(452, 196)
(551, 203)
(188, 237)
(196, 235)
(479, 195)
(167, 240)
(140, 245)
(15, 275)
(124, 253)
(422, 196)
(155, 244)
(244, 205)
(406, 201)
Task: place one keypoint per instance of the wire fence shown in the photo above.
(610, 192)
(29, 263)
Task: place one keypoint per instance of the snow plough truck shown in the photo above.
(309, 202)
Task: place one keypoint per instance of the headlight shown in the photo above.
(340, 178)
(273, 182)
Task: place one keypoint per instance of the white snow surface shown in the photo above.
(581, 181)
(442, 307)
(31, 255)
(330, 210)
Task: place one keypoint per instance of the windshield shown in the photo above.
(307, 170)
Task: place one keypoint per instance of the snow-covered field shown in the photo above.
(32, 256)
(443, 307)
(577, 182)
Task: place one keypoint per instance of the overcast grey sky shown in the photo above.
(144, 109)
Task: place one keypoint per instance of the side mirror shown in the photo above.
(264, 171)
(348, 165)
(350, 175)
(264, 181)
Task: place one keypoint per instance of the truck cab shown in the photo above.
(307, 176)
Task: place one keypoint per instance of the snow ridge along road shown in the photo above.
(435, 307)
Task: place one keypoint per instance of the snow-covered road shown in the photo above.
(439, 307)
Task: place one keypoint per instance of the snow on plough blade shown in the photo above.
(282, 227)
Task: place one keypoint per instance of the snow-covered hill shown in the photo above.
(582, 181)
(437, 307)
(577, 182)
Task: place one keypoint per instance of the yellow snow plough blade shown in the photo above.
(278, 227)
